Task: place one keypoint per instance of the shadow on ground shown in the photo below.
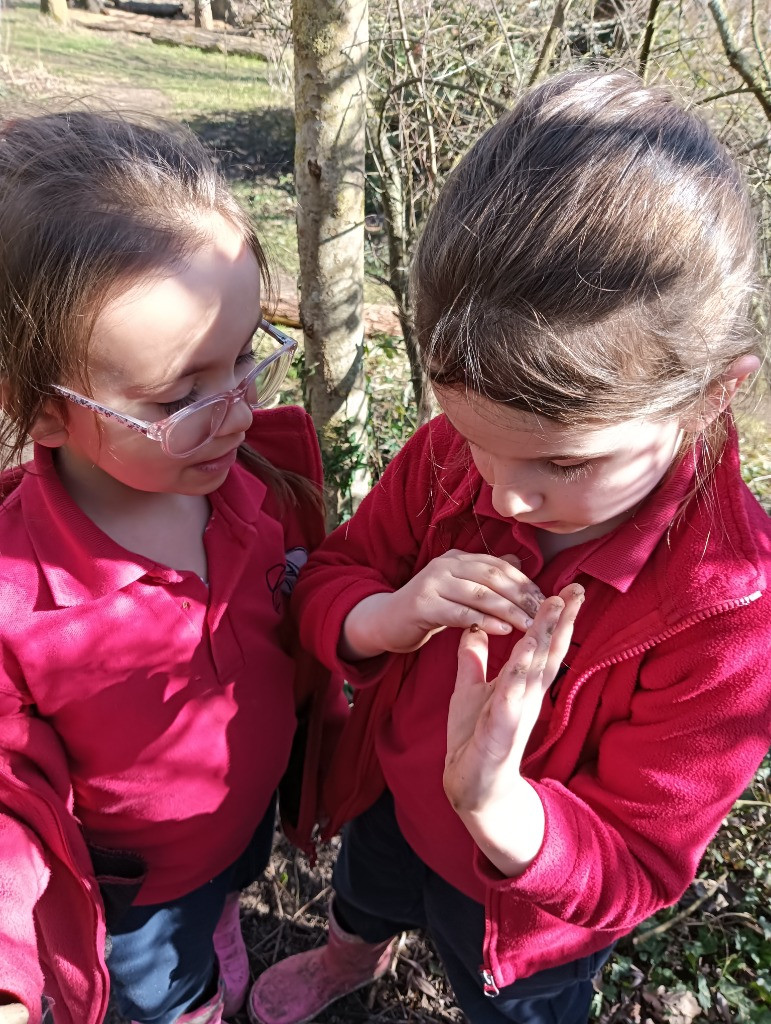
(253, 145)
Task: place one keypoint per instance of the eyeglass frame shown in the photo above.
(158, 430)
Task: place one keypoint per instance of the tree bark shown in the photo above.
(57, 9)
(330, 50)
(202, 14)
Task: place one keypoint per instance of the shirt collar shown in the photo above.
(80, 562)
(618, 556)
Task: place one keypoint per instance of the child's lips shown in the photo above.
(217, 465)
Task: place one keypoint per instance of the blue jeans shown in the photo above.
(162, 959)
(382, 888)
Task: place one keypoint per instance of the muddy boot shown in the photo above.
(296, 989)
(231, 956)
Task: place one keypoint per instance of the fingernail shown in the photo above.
(506, 627)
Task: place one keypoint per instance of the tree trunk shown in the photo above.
(202, 14)
(57, 9)
(330, 49)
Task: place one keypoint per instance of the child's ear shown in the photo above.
(722, 392)
(49, 429)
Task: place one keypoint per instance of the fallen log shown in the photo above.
(181, 34)
(160, 10)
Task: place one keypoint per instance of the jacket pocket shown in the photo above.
(119, 874)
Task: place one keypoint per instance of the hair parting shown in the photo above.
(591, 259)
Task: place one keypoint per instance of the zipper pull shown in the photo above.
(489, 987)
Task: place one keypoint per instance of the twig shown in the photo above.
(740, 90)
(316, 899)
(277, 893)
(650, 28)
(742, 917)
(504, 33)
(420, 81)
(713, 887)
(756, 40)
(279, 935)
(550, 40)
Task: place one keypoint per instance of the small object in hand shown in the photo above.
(474, 627)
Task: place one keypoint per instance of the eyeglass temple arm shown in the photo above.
(141, 426)
(274, 332)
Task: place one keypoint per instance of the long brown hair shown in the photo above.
(90, 203)
(591, 259)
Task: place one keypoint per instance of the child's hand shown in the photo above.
(13, 1013)
(489, 725)
(457, 589)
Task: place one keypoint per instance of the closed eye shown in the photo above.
(574, 471)
(181, 403)
(243, 361)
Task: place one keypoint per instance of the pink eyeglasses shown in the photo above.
(191, 428)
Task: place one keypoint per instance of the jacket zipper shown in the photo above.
(489, 985)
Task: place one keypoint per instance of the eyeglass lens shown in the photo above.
(190, 432)
(194, 430)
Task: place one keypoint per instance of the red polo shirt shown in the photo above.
(172, 700)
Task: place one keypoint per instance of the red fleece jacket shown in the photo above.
(658, 723)
(142, 713)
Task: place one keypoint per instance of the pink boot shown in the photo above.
(209, 1013)
(231, 954)
(296, 989)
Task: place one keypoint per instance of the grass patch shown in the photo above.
(85, 63)
(234, 103)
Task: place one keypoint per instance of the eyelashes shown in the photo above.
(181, 403)
(247, 359)
(569, 473)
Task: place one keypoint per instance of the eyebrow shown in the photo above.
(190, 371)
(562, 456)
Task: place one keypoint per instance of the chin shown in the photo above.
(205, 487)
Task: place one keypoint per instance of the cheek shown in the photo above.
(626, 486)
(483, 464)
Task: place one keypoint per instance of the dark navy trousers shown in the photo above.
(382, 888)
(162, 959)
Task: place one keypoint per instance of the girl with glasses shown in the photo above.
(554, 605)
(148, 686)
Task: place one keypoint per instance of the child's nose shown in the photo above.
(237, 420)
(512, 501)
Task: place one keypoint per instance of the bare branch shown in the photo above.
(756, 41)
(504, 33)
(650, 28)
(736, 58)
(550, 41)
(420, 82)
